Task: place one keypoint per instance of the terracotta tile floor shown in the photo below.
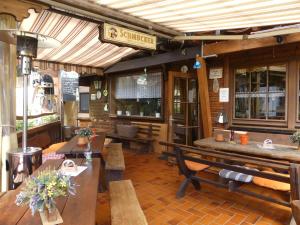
(156, 184)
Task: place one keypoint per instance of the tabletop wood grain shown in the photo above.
(72, 147)
(75, 210)
(280, 151)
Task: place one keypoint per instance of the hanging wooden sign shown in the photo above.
(126, 37)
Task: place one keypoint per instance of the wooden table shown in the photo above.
(75, 210)
(71, 148)
(280, 152)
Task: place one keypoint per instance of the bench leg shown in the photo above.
(182, 188)
(113, 175)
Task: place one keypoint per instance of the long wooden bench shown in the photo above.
(125, 207)
(233, 161)
(114, 163)
(144, 137)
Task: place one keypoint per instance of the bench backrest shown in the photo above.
(229, 161)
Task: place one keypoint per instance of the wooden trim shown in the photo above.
(36, 116)
(224, 47)
(138, 118)
(19, 8)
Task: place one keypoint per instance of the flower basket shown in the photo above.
(40, 192)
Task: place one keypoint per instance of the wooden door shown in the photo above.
(183, 108)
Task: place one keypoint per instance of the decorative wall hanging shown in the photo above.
(105, 91)
(98, 95)
(215, 74)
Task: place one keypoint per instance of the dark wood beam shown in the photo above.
(240, 45)
(154, 60)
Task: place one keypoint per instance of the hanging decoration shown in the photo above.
(142, 80)
(215, 74)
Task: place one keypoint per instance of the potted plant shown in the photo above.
(158, 110)
(142, 110)
(120, 107)
(295, 138)
(128, 110)
(40, 193)
(84, 135)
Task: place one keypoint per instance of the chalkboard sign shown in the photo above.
(69, 85)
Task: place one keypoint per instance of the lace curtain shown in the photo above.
(127, 87)
(8, 137)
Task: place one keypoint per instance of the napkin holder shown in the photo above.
(69, 166)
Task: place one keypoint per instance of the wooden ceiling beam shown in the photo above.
(240, 45)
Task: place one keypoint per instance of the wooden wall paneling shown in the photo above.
(204, 98)
(224, 47)
(97, 106)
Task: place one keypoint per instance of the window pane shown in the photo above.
(242, 87)
(241, 80)
(242, 106)
(259, 79)
(277, 81)
(258, 106)
(84, 102)
(139, 95)
(258, 92)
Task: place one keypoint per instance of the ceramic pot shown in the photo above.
(82, 140)
(141, 113)
(119, 112)
(157, 115)
(244, 139)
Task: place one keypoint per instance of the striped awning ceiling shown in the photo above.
(79, 40)
(209, 15)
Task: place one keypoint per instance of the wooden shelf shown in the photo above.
(36, 116)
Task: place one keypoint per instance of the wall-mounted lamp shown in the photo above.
(197, 65)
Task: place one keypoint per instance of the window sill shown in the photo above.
(140, 118)
(37, 116)
(39, 128)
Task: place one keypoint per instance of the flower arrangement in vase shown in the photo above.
(295, 138)
(40, 192)
(84, 135)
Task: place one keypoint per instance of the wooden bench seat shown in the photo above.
(125, 207)
(114, 163)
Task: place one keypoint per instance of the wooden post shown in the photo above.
(204, 98)
(295, 192)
